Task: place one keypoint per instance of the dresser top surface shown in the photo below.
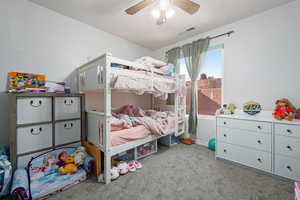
(265, 116)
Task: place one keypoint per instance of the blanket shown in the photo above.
(131, 116)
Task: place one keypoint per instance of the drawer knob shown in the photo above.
(259, 142)
(224, 123)
(225, 135)
(36, 104)
(259, 127)
(66, 102)
(289, 168)
(225, 151)
(289, 147)
(36, 131)
(289, 131)
(66, 126)
(259, 160)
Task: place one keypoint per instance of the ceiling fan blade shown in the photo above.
(186, 5)
(162, 18)
(139, 6)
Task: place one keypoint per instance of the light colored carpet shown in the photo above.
(185, 172)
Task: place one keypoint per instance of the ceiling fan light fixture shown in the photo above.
(156, 13)
(164, 4)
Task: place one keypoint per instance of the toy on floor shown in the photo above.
(252, 108)
(123, 168)
(212, 144)
(187, 141)
(284, 110)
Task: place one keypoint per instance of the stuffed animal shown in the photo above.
(79, 156)
(231, 108)
(61, 159)
(284, 110)
(69, 167)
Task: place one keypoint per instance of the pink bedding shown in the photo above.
(127, 135)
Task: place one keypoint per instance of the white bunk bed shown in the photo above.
(97, 76)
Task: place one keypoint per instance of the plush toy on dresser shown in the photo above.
(284, 110)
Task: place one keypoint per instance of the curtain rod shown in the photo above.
(221, 35)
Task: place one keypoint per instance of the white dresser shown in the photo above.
(41, 122)
(260, 142)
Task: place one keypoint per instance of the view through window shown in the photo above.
(209, 83)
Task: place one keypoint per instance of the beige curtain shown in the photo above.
(194, 54)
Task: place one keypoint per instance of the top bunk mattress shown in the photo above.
(143, 82)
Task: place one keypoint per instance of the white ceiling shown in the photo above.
(109, 16)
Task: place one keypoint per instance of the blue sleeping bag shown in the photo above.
(5, 173)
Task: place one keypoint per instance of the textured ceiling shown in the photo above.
(109, 16)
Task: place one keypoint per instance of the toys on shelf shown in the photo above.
(24, 82)
(284, 110)
(297, 114)
(227, 109)
(252, 108)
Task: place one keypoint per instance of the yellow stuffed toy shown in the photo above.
(69, 167)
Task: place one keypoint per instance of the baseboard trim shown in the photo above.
(201, 142)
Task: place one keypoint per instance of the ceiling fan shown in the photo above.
(164, 8)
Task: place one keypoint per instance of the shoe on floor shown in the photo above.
(114, 173)
(131, 167)
(137, 164)
(123, 168)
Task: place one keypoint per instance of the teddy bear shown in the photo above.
(79, 154)
(284, 110)
(69, 167)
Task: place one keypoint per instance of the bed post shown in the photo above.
(107, 113)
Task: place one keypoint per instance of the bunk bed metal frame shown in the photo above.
(95, 75)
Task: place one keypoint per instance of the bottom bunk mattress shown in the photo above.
(127, 135)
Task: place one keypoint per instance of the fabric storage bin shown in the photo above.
(67, 108)
(34, 138)
(67, 132)
(146, 149)
(34, 110)
(169, 140)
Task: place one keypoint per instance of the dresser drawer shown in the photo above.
(33, 110)
(288, 146)
(34, 138)
(287, 130)
(287, 167)
(259, 141)
(67, 132)
(257, 126)
(67, 108)
(249, 157)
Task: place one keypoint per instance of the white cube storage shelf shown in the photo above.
(260, 142)
(41, 122)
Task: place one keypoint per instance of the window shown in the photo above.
(209, 82)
